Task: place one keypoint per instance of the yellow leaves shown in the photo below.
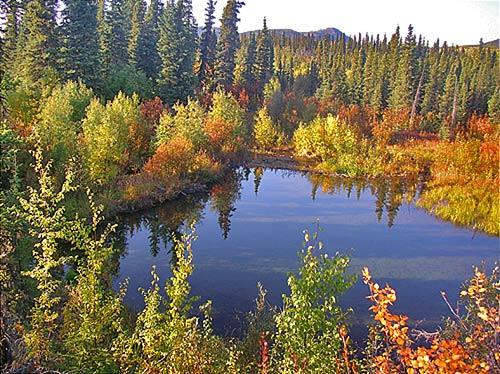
(366, 275)
(483, 314)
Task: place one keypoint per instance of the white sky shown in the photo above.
(459, 22)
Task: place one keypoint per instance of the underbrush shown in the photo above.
(462, 179)
(465, 183)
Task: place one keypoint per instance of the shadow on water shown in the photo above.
(249, 228)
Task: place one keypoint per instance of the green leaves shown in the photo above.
(308, 328)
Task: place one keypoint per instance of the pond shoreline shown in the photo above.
(277, 160)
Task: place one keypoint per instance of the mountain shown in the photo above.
(331, 33)
(492, 44)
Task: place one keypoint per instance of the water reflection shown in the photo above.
(249, 228)
(164, 224)
(390, 193)
(223, 197)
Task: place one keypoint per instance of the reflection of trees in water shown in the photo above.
(390, 193)
(223, 197)
(258, 173)
(165, 223)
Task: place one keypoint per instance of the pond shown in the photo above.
(249, 230)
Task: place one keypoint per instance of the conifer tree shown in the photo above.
(228, 43)
(11, 32)
(208, 46)
(118, 37)
(369, 74)
(494, 106)
(103, 30)
(147, 58)
(39, 54)
(265, 56)
(433, 86)
(245, 73)
(80, 42)
(403, 86)
(137, 12)
(177, 50)
(355, 78)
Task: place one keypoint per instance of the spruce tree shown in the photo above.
(433, 86)
(39, 54)
(104, 31)
(265, 56)
(80, 42)
(404, 83)
(10, 32)
(118, 37)
(355, 78)
(228, 43)
(494, 106)
(370, 75)
(135, 25)
(147, 58)
(245, 73)
(177, 50)
(208, 46)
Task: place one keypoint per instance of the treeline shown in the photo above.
(118, 45)
(434, 83)
(155, 50)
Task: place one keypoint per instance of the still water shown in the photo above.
(249, 230)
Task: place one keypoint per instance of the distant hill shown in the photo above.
(331, 33)
(492, 44)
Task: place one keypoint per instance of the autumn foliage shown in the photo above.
(472, 349)
(171, 159)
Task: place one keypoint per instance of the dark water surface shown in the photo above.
(250, 227)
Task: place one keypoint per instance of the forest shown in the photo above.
(113, 106)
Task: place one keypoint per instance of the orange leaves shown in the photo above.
(264, 354)
(171, 159)
(394, 351)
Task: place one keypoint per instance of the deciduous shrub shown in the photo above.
(166, 339)
(265, 132)
(227, 114)
(171, 159)
(186, 121)
(106, 136)
(470, 348)
(311, 326)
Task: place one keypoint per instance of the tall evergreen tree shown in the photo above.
(404, 83)
(80, 42)
(245, 73)
(177, 50)
(355, 78)
(10, 32)
(104, 31)
(433, 86)
(208, 46)
(39, 55)
(228, 43)
(134, 25)
(118, 37)
(147, 58)
(370, 75)
(264, 63)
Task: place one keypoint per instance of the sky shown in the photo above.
(459, 22)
